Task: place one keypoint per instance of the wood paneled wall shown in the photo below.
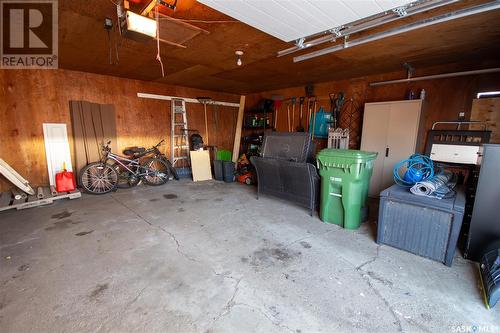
(29, 98)
(488, 110)
(445, 98)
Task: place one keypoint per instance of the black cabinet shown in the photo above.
(485, 223)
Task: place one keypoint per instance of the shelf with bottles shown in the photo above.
(258, 120)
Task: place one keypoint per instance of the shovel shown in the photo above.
(288, 115)
(277, 107)
(310, 104)
(294, 101)
(300, 128)
(314, 120)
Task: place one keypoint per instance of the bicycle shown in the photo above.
(102, 177)
(127, 179)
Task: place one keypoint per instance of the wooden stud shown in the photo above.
(206, 121)
(171, 43)
(149, 7)
(237, 135)
(187, 25)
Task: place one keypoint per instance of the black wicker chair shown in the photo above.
(285, 171)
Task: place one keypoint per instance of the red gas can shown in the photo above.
(65, 181)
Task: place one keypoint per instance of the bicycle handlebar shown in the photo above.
(159, 143)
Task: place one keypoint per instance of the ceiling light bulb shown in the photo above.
(238, 57)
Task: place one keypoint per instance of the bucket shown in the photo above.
(184, 172)
(228, 171)
(219, 170)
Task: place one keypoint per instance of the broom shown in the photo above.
(204, 101)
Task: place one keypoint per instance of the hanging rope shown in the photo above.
(158, 56)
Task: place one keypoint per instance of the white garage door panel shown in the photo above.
(267, 8)
(309, 20)
(289, 20)
(341, 12)
(252, 16)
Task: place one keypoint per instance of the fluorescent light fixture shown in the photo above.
(460, 13)
(141, 24)
(488, 93)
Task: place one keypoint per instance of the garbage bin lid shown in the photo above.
(359, 155)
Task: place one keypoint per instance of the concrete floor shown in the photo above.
(208, 257)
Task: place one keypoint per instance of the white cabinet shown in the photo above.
(391, 130)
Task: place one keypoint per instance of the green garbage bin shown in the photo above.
(223, 155)
(345, 178)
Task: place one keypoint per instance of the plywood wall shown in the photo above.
(488, 110)
(445, 98)
(29, 98)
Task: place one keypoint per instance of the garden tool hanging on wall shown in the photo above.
(336, 102)
(300, 128)
(310, 104)
(205, 101)
(277, 107)
(309, 91)
(288, 115)
(277, 102)
(313, 120)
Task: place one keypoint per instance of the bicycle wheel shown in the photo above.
(171, 169)
(156, 171)
(98, 178)
(126, 179)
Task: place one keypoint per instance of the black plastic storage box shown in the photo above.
(424, 226)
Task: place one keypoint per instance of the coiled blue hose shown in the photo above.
(418, 167)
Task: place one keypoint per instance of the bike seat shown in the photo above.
(134, 150)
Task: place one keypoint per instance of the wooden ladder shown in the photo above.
(179, 134)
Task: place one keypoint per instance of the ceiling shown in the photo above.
(209, 62)
(290, 20)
